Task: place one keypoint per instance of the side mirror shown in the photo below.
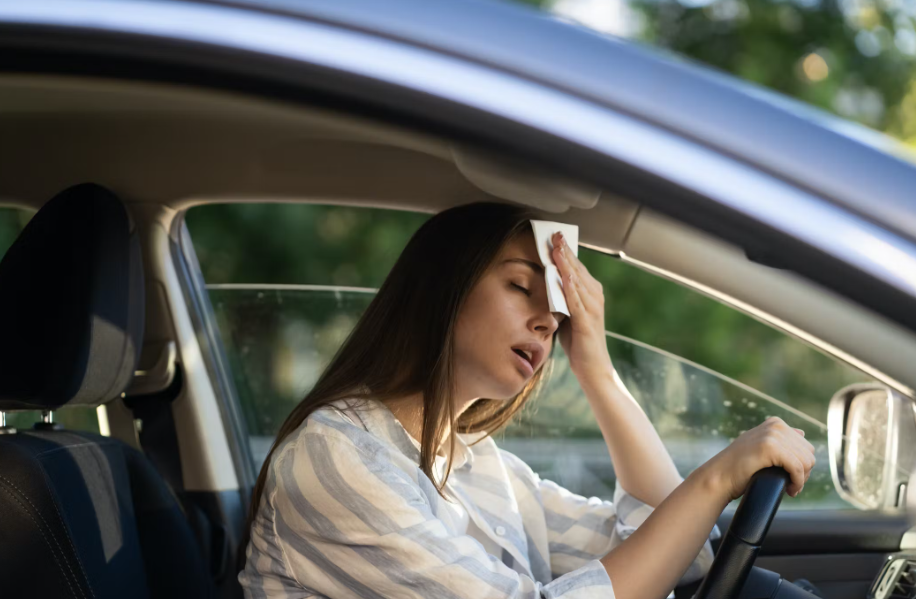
(871, 440)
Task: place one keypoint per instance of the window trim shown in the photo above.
(212, 350)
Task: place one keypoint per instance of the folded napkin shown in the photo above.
(543, 232)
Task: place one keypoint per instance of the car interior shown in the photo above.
(101, 311)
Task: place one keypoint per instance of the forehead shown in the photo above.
(521, 246)
(519, 254)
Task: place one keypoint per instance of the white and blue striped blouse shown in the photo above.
(347, 512)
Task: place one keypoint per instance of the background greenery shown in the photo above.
(854, 58)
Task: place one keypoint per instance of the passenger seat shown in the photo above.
(81, 515)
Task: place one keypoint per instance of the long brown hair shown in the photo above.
(403, 343)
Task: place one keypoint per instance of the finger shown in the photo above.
(786, 450)
(802, 449)
(803, 454)
(559, 256)
(576, 265)
(573, 281)
(563, 246)
(796, 437)
(796, 470)
(592, 303)
(573, 300)
(805, 450)
(590, 290)
(563, 257)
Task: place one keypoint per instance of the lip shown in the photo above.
(529, 369)
(537, 356)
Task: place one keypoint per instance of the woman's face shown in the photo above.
(505, 315)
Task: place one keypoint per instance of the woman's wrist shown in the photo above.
(600, 390)
(713, 482)
(601, 383)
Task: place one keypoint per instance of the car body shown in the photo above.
(804, 222)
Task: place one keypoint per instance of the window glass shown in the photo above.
(12, 221)
(288, 282)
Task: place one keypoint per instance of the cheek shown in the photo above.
(489, 320)
(478, 330)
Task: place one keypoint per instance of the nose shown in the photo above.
(548, 322)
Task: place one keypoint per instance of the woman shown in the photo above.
(384, 481)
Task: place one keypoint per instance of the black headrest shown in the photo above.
(71, 304)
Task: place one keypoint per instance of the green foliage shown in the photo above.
(299, 243)
(855, 58)
(807, 50)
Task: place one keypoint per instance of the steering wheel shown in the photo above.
(740, 545)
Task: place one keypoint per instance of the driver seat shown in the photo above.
(81, 515)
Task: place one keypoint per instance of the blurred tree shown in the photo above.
(855, 58)
(844, 61)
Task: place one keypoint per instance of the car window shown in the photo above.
(12, 221)
(287, 282)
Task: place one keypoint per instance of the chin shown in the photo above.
(509, 389)
(503, 385)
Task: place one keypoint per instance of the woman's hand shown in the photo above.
(773, 443)
(582, 334)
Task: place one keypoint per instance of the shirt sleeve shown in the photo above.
(581, 529)
(349, 522)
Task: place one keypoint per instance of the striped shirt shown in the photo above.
(346, 512)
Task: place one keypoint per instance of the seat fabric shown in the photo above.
(81, 515)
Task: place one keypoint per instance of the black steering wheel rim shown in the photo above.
(745, 535)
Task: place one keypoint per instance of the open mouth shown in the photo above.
(524, 360)
(527, 355)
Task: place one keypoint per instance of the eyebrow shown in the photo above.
(532, 265)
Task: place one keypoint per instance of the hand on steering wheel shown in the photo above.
(762, 463)
(740, 545)
(772, 443)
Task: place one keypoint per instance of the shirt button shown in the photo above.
(501, 530)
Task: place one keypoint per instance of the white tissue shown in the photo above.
(543, 232)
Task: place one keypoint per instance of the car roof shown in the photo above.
(839, 160)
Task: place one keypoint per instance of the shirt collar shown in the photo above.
(378, 420)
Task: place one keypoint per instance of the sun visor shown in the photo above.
(523, 184)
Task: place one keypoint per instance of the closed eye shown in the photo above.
(522, 289)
